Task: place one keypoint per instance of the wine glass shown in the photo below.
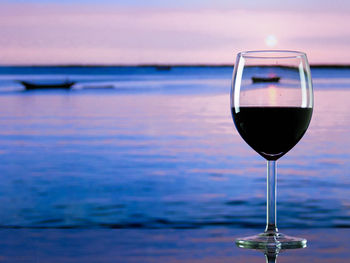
(271, 103)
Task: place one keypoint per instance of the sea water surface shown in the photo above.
(137, 147)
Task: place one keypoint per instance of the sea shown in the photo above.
(156, 148)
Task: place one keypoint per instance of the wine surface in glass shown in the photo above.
(272, 131)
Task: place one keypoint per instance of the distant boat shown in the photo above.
(163, 67)
(267, 79)
(36, 86)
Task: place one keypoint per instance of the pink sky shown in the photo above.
(88, 34)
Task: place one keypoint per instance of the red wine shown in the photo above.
(272, 131)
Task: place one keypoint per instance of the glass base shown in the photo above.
(271, 240)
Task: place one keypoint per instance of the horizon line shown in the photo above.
(316, 65)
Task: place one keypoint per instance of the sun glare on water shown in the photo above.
(271, 41)
(272, 93)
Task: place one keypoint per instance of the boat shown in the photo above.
(266, 79)
(35, 86)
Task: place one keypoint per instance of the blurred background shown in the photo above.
(127, 124)
(169, 32)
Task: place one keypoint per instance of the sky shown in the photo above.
(133, 32)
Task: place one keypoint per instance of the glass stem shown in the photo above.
(271, 258)
(271, 225)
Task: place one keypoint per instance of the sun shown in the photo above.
(271, 41)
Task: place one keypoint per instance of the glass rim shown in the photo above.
(271, 54)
